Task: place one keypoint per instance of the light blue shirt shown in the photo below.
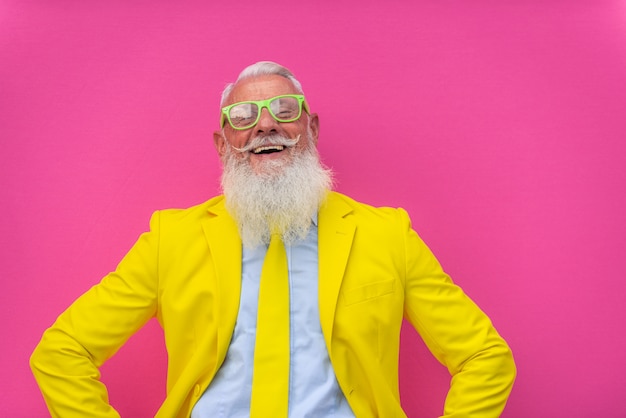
(313, 387)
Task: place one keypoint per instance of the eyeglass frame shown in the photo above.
(302, 104)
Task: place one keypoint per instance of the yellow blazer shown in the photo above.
(373, 271)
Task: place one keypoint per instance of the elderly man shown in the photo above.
(279, 298)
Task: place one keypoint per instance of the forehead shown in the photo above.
(260, 88)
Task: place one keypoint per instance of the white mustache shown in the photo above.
(268, 140)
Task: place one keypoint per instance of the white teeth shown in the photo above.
(271, 147)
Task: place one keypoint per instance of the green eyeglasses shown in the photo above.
(284, 108)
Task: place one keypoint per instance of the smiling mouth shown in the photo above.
(268, 149)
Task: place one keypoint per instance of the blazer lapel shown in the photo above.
(222, 235)
(224, 244)
(336, 232)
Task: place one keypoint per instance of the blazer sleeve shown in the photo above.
(458, 334)
(65, 362)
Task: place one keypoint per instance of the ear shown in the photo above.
(220, 143)
(314, 124)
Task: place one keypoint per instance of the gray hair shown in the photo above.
(258, 69)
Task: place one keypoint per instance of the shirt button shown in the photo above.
(196, 390)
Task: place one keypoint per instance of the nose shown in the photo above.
(266, 123)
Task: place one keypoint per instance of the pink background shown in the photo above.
(499, 126)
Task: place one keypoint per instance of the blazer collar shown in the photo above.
(335, 235)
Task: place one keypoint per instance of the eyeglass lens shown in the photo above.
(283, 109)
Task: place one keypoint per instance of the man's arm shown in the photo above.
(65, 363)
(459, 334)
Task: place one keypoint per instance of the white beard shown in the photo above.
(283, 197)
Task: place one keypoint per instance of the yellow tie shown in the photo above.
(270, 378)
